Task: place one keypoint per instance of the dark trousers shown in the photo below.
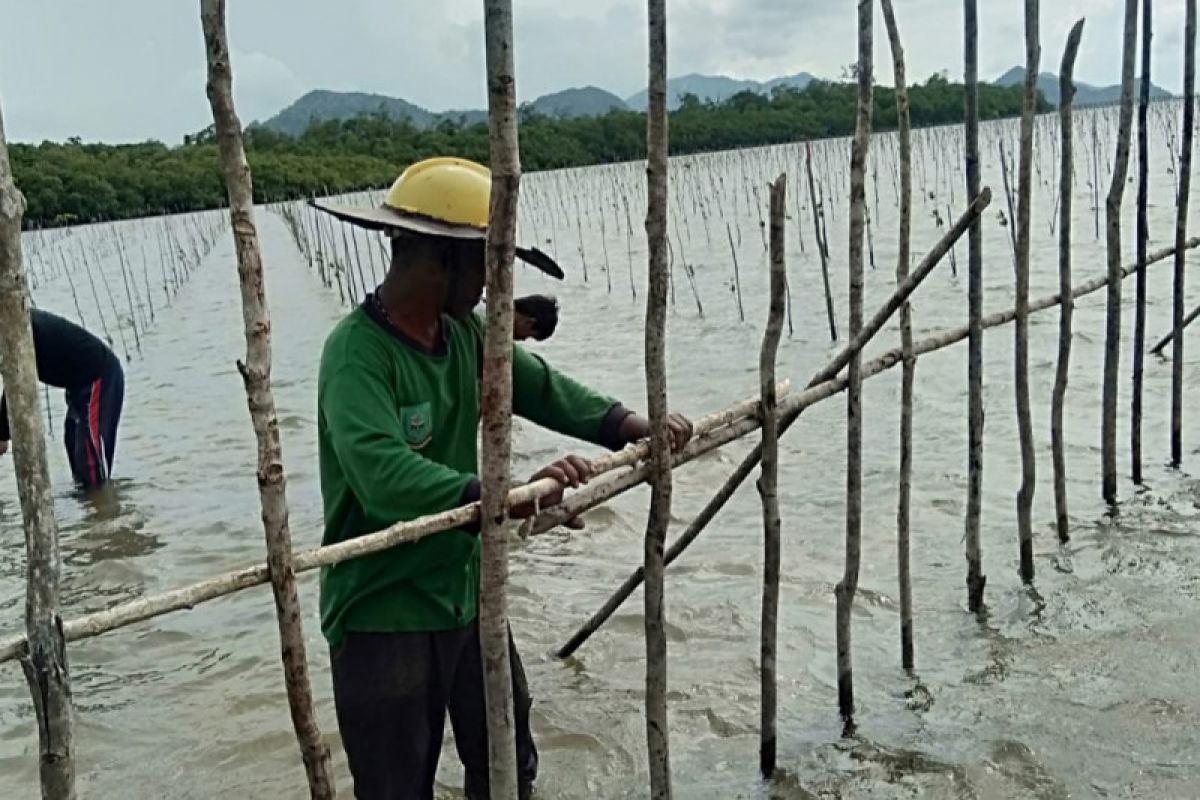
(90, 430)
(392, 692)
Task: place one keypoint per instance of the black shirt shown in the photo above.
(68, 356)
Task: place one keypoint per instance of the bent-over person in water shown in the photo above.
(71, 358)
(398, 412)
(534, 317)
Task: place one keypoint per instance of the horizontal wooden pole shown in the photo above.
(187, 597)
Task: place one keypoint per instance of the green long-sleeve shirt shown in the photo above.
(397, 438)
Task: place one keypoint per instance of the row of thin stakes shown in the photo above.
(112, 278)
(344, 261)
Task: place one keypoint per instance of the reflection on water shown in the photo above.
(1081, 688)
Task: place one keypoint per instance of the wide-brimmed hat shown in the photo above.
(444, 197)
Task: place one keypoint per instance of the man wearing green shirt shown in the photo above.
(398, 418)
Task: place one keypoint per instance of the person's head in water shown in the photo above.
(536, 317)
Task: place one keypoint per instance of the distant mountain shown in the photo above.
(322, 104)
(1085, 94)
(586, 102)
(717, 88)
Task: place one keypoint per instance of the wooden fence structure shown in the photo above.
(42, 649)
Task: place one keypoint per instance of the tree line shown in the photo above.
(72, 182)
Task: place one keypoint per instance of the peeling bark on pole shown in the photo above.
(847, 587)
(768, 484)
(1143, 237)
(657, 739)
(1033, 54)
(496, 473)
(904, 249)
(45, 659)
(976, 580)
(1112, 210)
(1181, 225)
(1066, 189)
(256, 376)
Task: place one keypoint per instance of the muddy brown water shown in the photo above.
(1084, 688)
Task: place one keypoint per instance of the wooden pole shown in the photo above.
(1143, 239)
(1033, 54)
(904, 250)
(768, 484)
(1112, 209)
(728, 425)
(45, 659)
(789, 412)
(657, 739)
(976, 580)
(496, 473)
(822, 250)
(847, 587)
(1066, 188)
(1181, 226)
(256, 376)
(1170, 337)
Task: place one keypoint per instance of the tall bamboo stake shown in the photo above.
(768, 484)
(1112, 209)
(976, 580)
(256, 376)
(1067, 177)
(1033, 54)
(1181, 225)
(45, 662)
(496, 473)
(1143, 238)
(657, 738)
(847, 587)
(904, 250)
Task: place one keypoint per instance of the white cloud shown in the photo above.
(133, 70)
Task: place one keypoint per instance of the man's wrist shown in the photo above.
(634, 428)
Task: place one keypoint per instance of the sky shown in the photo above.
(131, 70)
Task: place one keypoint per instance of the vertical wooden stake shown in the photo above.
(976, 580)
(904, 255)
(1112, 209)
(768, 484)
(847, 587)
(46, 664)
(1033, 53)
(1066, 187)
(657, 739)
(821, 248)
(1181, 225)
(1143, 238)
(497, 398)
(256, 376)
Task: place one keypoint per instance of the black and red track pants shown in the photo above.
(90, 431)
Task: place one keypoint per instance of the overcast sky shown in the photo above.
(128, 70)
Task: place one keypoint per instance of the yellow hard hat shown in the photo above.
(449, 190)
(444, 197)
